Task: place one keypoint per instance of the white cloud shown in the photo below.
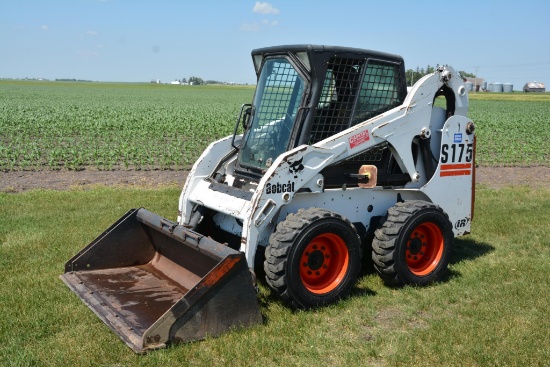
(264, 8)
(91, 33)
(270, 22)
(250, 27)
(44, 27)
(261, 8)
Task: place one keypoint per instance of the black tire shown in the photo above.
(413, 244)
(313, 258)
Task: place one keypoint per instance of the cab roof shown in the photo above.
(324, 49)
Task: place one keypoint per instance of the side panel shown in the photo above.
(356, 204)
(451, 186)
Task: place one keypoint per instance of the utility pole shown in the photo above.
(475, 80)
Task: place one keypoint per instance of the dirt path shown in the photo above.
(20, 181)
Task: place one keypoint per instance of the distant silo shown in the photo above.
(508, 88)
(497, 87)
(469, 86)
(484, 85)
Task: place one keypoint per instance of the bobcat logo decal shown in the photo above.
(296, 167)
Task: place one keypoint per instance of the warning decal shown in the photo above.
(358, 139)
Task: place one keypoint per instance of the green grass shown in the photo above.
(106, 126)
(492, 308)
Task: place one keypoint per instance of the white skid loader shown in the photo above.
(336, 158)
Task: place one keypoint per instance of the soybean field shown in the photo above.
(107, 126)
(513, 129)
(111, 126)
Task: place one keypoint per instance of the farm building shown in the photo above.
(534, 87)
(474, 84)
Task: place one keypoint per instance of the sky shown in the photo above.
(143, 40)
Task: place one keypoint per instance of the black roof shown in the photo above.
(324, 49)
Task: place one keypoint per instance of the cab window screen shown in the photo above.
(380, 90)
(276, 102)
(338, 95)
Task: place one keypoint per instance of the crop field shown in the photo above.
(56, 125)
(512, 129)
(108, 126)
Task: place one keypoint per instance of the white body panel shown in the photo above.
(283, 190)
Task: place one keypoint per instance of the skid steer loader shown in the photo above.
(336, 159)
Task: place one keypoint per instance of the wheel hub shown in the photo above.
(315, 260)
(415, 246)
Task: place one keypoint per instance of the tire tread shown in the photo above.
(387, 234)
(281, 242)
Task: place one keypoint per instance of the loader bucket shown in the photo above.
(154, 282)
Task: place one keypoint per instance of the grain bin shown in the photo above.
(508, 88)
(497, 87)
(469, 86)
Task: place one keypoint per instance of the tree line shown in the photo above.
(412, 76)
(195, 80)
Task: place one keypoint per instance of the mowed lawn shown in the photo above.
(491, 310)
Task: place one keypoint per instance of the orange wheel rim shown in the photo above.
(324, 263)
(424, 249)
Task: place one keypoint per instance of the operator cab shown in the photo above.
(308, 93)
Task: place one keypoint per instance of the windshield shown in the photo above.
(276, 102)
